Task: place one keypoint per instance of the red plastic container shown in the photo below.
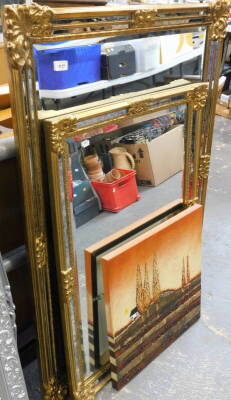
(119, 194)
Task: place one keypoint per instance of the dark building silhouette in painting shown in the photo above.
(155, 280)
(157, 320)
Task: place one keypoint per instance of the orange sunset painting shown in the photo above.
(152, 292)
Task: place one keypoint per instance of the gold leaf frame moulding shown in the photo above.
(144, 18)
(20, 24)
(24, 25)
(220, 11)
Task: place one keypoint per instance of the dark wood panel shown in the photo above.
(21, 289)
(11, 210)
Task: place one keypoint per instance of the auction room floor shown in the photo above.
(198, 365)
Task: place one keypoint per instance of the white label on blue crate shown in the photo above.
(85, 143)
(60, 65)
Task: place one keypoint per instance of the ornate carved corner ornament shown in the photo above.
(219, 12)
(21, 22)
(58, 130)
(143, 18)
(85, 391)
(138, 108)
(204, 166)
(40, 251)
(191, 202)
(53, 390)
(68, 283)
(198, 96)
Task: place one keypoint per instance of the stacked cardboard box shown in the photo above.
(159, 159)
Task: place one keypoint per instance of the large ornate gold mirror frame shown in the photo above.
(26, 25)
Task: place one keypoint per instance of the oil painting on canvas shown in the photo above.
(97, 328)
(152, 292)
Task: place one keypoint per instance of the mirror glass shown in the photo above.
(106, 194)
(81, 71)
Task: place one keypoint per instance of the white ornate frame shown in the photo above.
(12, 383)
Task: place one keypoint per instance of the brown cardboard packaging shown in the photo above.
(4, 96)
(159, 159)
(225, 99)
(4, 75)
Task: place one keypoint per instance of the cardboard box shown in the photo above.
(4, 96)
(6, 118)
(223, 111)
(225, 99)
(159, 159)
(4, 75)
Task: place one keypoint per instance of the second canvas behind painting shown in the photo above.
(150, 292)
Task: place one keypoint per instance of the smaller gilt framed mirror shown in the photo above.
(84, 148)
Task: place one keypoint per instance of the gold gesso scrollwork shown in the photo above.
(86, 391)
(20, 23)
(138, 108)
(198, 96)
(68, 283)
(53, 390)
(219, 11)
(58, 132)
(40, 251)
(191, 202)
(204, 166)
(143, 18)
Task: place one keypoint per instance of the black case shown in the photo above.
(78, 172)
(60, 104)
(86, 210)
(82, 192)
(118, 61)
(86, 204)
(141, 84)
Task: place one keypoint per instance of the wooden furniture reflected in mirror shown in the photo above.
(26, 29)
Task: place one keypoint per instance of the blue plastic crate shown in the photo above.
(62, 68)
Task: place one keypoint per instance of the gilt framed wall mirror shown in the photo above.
(36, 36)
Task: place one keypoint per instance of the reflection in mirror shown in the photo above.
(81, 71)
(118, 174)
